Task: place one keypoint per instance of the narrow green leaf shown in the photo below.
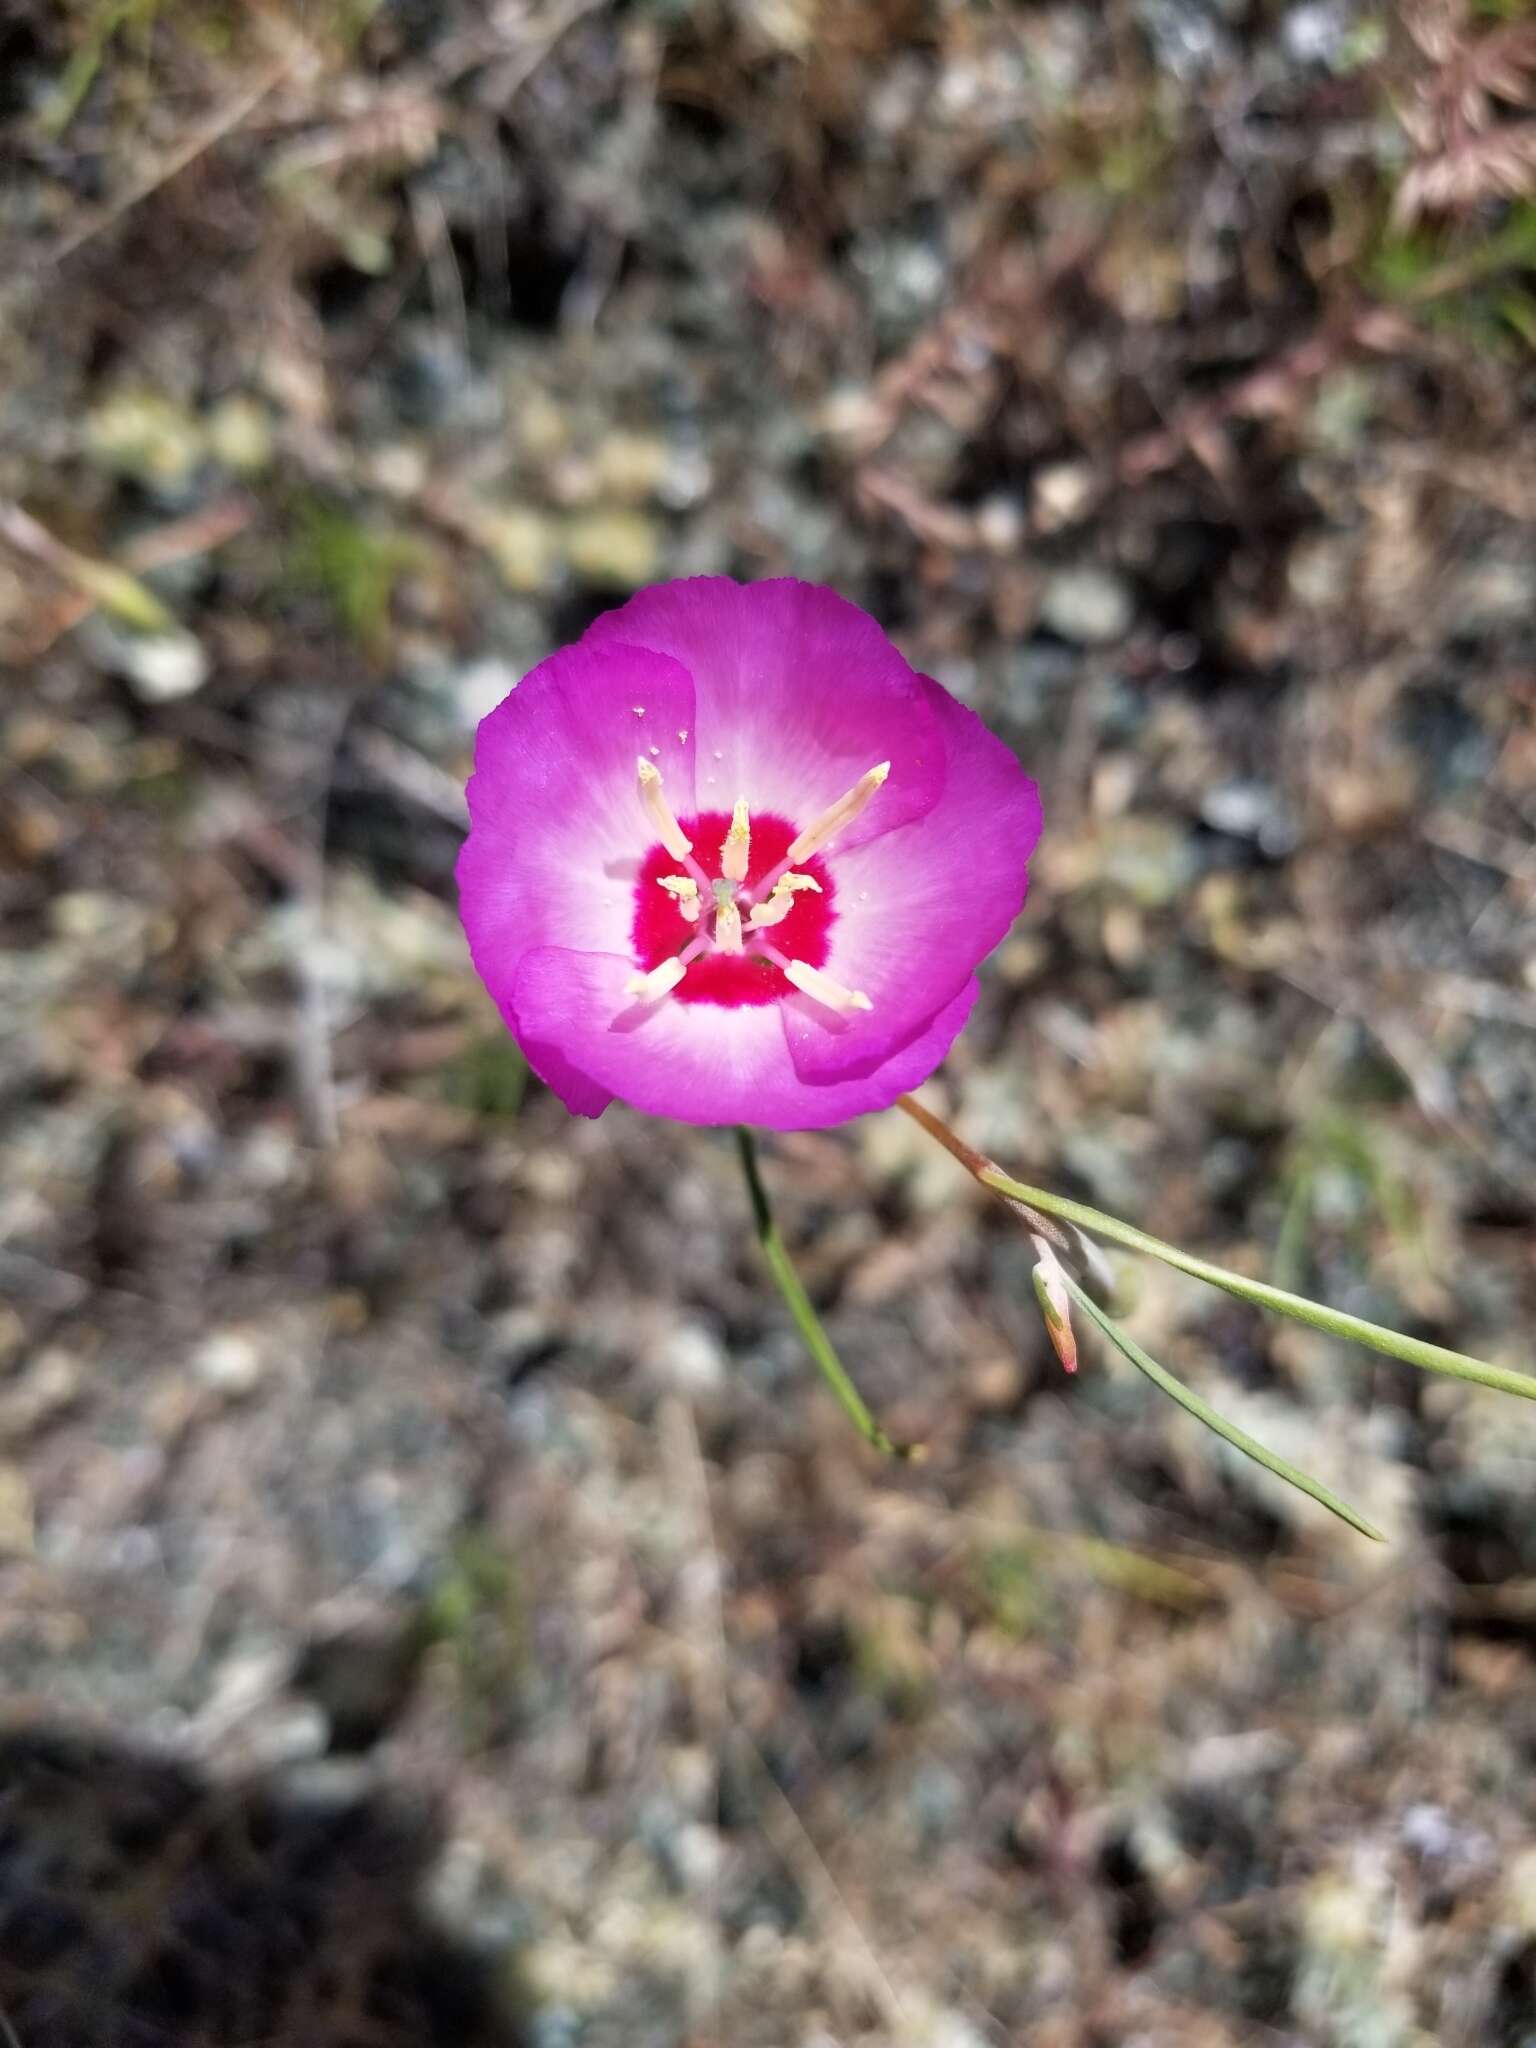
(817, 1342)
(1412, 1350)
(1203, 1412)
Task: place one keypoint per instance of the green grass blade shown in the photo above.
(1203, 1412)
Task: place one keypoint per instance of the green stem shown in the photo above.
(1202, 1411)
(817, 1342)
(1412, 1350)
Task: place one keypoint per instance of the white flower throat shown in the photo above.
(733, 918)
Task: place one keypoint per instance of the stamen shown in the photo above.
(659, 982)
(686, 890)
(812, 982)
(842, 813)
(782, 901)
(727, 919)
(668, 830)
(737, 849)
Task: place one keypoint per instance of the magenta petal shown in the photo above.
(920, 907)
(588, 1039)
(581, 1095)
(557, 825)
(798, 692)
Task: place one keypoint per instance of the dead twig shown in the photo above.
(787, 1834)
(413, 776)
(514, 61)
(97, 583)
(1467, 152)
(1274, 390)
(114, 587)
(944, 526)
(212, 132)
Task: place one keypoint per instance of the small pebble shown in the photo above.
(229, 1361)
(1089, 606)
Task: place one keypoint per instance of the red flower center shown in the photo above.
(661, 929)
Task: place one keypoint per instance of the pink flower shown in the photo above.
(732, 861)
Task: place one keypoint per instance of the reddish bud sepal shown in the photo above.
(1055, 1304)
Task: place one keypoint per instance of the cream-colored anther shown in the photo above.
(659, 982)
(668, 831)
(686, 891)
(781, 902)
(812, 982)
(737, 848)
(840, 815)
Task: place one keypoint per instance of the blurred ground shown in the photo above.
(404, 1485)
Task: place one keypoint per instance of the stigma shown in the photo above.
(727, 918)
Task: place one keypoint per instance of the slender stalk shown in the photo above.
(817, 1342)
(979, 1166)
(1202, 1411)
(1029, 1201)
